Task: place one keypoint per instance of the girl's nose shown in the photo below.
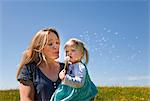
(69, 53)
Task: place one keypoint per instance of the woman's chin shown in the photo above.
(57, 57)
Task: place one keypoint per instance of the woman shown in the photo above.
(38, 71)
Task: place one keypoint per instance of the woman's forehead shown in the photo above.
(52, 36)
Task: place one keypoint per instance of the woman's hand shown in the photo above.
(62, 74)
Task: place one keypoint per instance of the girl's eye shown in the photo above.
(73, 50)
(67, 51)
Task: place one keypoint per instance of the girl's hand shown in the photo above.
(62, 74)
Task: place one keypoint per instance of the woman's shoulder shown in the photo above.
(26, 72)
(31, 66)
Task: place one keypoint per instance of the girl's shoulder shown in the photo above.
(81, 65)
(78, 65)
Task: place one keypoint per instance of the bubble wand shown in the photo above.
(67, 58)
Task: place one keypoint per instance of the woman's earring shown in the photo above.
(43, 56)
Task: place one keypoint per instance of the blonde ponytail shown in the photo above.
(86, 55)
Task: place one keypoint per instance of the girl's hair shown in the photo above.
(34, 52)
(79, 44)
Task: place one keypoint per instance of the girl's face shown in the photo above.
(51, 50)
(75, 53)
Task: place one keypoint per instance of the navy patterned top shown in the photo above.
(44, 87)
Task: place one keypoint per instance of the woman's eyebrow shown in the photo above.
(52, 40)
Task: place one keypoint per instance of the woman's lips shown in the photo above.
(56, 52)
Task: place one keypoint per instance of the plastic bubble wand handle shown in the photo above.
(67, 58)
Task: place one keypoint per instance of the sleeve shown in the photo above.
(78, 80)
(24, 76)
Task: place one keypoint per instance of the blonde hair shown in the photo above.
(79, 44)
(34, 52)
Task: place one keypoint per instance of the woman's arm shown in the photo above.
(26, 92)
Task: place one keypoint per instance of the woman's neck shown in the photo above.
(49, 64)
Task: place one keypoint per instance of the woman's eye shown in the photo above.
(58, 43)
(50, 44)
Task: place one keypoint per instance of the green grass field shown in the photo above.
(104, 94)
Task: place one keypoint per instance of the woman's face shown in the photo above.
(74, 53)
(51, 50)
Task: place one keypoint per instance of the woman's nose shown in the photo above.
(56, 46)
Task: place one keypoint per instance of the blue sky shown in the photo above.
(116, 34)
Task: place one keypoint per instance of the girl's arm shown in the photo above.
(26, 92)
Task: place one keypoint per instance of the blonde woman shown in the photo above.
(76, 83)
(38, 71)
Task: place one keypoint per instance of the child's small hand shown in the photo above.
(67, 58)
(62, 74)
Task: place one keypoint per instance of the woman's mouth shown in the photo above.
(56, 52)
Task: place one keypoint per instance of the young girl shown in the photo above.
(76, 84)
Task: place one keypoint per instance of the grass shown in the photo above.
(9, 95)
(123, 94)
(104, 94)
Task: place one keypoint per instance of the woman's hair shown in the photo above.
(34, 52)
(79, 44)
